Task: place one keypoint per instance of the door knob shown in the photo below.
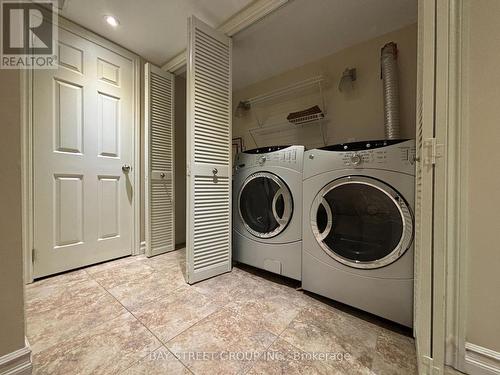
(215, 171)
(126, 168)
(162, 175)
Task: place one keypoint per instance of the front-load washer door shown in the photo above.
(265, 205)
(361, 222)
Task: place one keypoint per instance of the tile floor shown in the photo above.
(138, 316)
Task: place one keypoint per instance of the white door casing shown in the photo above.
(209, 164)
(159, 157)
(83, 134)
(424, 178)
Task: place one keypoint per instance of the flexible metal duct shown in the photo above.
(389, 66)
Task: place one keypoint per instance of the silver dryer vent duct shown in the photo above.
(389, 70)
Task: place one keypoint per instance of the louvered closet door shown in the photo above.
(160, 206)
(208, 237)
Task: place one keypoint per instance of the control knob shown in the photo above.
(356, 159)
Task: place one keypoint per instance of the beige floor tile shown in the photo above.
(159, 362)
(69, 313)
(395, 354)
(223, 343)
(115, 264)
(273, 312)
(42, 297)
(222, 288)
(48, 288)
(109, 348)
(317, 330)
(76, 324)
(283, 358)
(173, 259)
(179, 310)
(123, 273)
(156, 285)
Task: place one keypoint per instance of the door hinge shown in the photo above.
(33, 255)
(432, 151)
(188, 170)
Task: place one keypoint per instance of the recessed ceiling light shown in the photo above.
(112, 21)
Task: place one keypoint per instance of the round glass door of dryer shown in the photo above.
(361, 222)
(265, 205)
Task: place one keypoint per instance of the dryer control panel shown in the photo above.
(283, 156)
(389, 155)
(372, 158)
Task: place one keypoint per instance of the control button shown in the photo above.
(263, 160)
(311, 156)
(356, 159)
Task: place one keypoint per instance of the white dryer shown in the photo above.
(358, 226)
(267, 209)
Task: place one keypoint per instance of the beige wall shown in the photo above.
(355, 114)
(180, 160)
(483, 263)
(11, 256)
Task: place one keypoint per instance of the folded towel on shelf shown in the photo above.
(309, 114)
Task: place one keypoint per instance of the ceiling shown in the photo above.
(306, 30)
(154, 29)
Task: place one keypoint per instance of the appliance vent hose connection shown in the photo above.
(389, 70)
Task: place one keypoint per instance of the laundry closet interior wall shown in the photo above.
(353, 114)
(180, 158)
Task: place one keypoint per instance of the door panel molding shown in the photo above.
(26, 83)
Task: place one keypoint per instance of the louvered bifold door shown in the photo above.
(159, 138)
(208, 237)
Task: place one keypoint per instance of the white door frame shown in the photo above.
(450, 347)
(460, 354)
(27, 145)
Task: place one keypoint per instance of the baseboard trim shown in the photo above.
(481, 361)
(142, 249)
(17, 362)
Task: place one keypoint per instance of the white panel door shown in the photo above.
(83, 147)
(208, 200)
(160, 167)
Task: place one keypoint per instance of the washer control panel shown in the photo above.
(289, 156)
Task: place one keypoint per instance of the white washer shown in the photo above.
(267, 209)
(358, 226)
